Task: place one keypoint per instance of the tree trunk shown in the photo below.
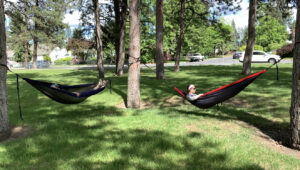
(133, 92)
(159, 57)
(4, 119)
(121, 57)
(26, 45)
(98, 40)
(117, 31)
(35, 41)
(181, 36)
(26, 52)
(34, 56)
(251, 38)
(295, 98)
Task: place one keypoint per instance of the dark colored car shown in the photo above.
(237, 55)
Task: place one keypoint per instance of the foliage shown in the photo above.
(270, 34)
(285, 51)
(65, 60)
(47, 58)
(80, 46)
(256, 47)
(235, 36)
(36, 18)
(19, 51)
(274, 9)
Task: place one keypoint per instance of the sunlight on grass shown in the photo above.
(97, 135)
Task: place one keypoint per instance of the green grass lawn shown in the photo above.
(170, 135)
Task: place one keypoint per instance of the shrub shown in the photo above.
(65, 60)
(256, 47)
(47, 58)
(285, 51)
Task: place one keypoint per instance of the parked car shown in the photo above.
(237, 55)
(40, 64)
(196, 57)
(262, 57)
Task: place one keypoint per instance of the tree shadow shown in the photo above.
(278, 131)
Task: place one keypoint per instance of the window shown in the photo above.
(258, 53)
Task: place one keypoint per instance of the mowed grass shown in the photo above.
(97, 135)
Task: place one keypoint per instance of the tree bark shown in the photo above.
(133, 92)
(121, 57)
(181, 36)
(295, 98)
(35, 41)
(159, 57)
(117, 31)
(98, 40)
(251, 38)
(26, 52)
(4, 119)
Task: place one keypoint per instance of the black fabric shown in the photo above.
(64, 93)
(222, 95)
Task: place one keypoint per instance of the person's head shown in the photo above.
(191, 88)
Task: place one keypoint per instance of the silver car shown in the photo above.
(262, 57)
(196, 57)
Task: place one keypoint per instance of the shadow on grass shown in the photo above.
(81, 147)
(277, 131)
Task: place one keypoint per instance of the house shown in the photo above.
(59, 53)
(10, 54)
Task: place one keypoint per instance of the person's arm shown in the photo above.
(193, 97)
(199, 95)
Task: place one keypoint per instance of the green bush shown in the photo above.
(65, 60)
(256, 47)
(47, 58)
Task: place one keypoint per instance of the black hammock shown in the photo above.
(63, 93)
(223, 93)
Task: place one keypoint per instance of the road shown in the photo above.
(212, 61)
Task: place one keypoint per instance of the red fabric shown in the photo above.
(180, 91)
(238, 81)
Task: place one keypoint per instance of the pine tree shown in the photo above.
(4, 119)
(133, 92)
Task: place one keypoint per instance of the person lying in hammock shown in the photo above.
(100, 84)
(191, 93)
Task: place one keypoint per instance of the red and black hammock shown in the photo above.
(223, 93)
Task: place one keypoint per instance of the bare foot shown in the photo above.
(101, 83)
(77, 94)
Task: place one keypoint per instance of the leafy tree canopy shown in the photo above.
(270, 34)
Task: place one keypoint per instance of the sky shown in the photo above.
(241, 17)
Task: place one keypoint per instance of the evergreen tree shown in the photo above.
(235, 35)
(4, 118)
(37, 20)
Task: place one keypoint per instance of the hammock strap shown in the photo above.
(19, 101)
(18, 89)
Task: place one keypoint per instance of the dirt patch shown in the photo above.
(193, 128)
(173, 101)
(276, 145)
(143, 105)
(167, 102)
(238, 102)
(18, 132)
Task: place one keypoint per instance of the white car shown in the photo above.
(262, 57)
(196, 57)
